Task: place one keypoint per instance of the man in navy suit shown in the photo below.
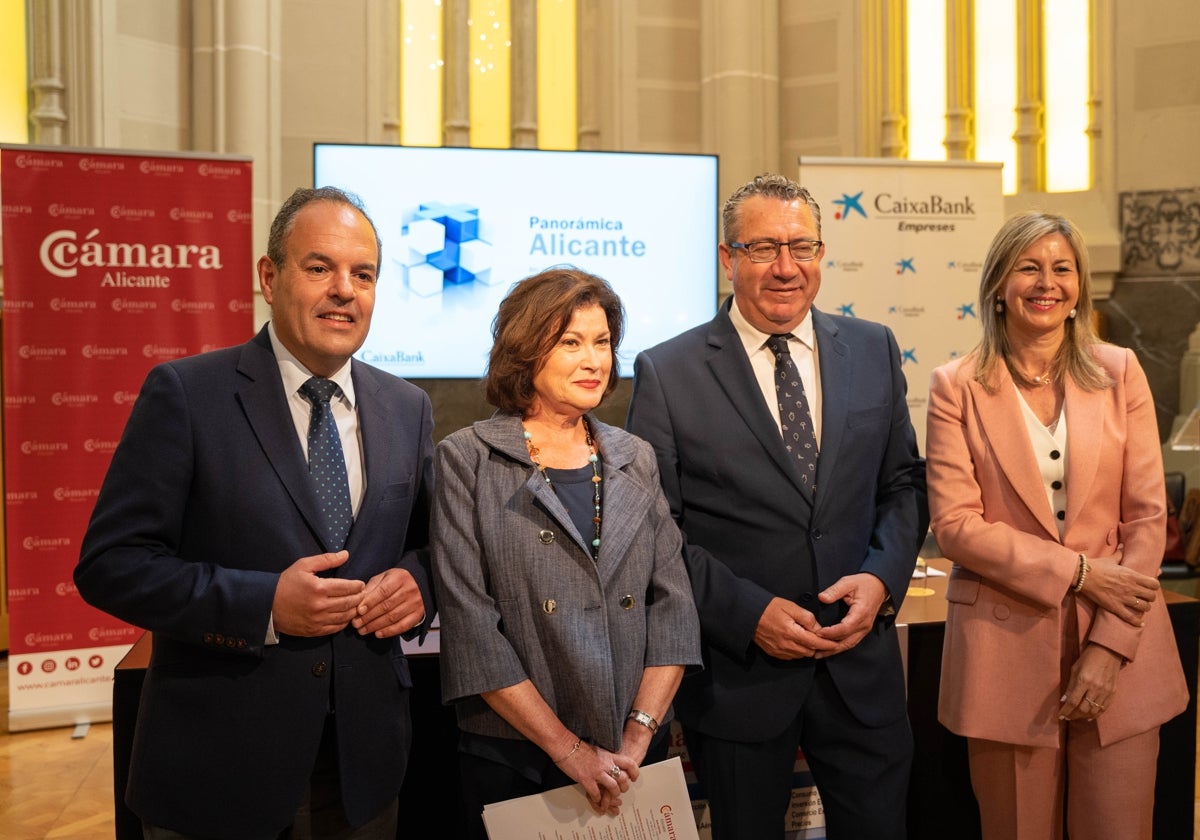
(276, 699)
(797, 564)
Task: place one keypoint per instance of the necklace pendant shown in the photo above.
(594, 461)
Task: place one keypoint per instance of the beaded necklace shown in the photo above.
(594, 460)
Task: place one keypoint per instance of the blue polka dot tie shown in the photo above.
(794, 416)
(327, 464)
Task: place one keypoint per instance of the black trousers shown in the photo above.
(860, 772)
(320, 816)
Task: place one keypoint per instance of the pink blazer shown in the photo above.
(1002, 669)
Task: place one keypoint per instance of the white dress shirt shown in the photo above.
(344, 412)
(803, 347)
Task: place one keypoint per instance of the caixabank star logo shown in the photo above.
(849, 204)
(440, 245)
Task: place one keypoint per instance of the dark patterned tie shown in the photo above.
(327, 464)
(794, 416)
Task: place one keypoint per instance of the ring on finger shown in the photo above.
(1137, 603)
(615, 772)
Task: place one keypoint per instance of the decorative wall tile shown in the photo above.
(1160, 232)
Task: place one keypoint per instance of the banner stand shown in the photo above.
(114, 261)
(904, 246)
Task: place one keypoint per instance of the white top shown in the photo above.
(1050, 449)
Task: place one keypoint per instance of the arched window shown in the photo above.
(446, 41)
(1003, 81)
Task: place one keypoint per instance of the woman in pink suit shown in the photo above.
(1046, 490)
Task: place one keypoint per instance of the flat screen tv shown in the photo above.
(460, 226)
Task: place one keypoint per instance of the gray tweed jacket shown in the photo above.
(520, 597)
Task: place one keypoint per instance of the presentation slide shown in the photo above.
(459, 226)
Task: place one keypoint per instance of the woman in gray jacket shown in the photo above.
(567, 618)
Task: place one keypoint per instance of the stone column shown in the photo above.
(594, 53)
(1100, 75)
(1031, 114)
(66, 78)
(960, 80)
(383, 78)
(456, 92)
(894, 35)
(236, 96)
(739, 88)
(523, 82)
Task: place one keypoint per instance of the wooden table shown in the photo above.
(940, 800)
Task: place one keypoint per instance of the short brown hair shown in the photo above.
(532, 318)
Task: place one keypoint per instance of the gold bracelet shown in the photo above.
(574, 749)
(648, 721)
(1083, 571)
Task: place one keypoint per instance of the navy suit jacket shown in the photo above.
(206, 502)
(752, 533)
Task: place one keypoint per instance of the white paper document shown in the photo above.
(921, 572)
(656, 807)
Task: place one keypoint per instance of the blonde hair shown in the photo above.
(1074, 357)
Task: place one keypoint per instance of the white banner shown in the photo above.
(904, 246)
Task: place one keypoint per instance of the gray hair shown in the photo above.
(768, 185)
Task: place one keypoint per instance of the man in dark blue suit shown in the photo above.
(801, 527)
(276, 699)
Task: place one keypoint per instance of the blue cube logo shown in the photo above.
(440, 245)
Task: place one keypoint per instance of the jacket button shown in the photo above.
(546, 537)
(319, 669)
(817, 534)
(549, 606)
(627, 602)
(806, 597)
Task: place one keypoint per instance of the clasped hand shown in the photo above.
(788, 631)
(603, 775)
(307, 604)
(1124, 592)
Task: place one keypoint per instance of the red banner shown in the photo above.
(113, 262)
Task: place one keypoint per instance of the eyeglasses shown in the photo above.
(767, 250)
